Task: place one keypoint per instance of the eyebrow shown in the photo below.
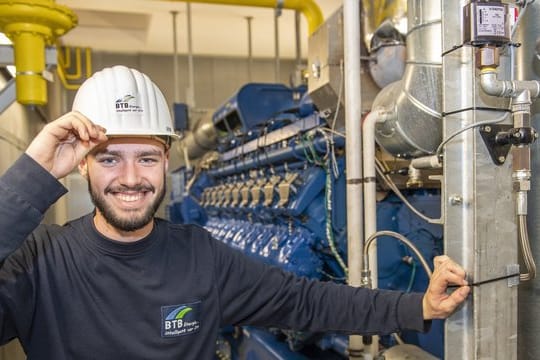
(141, 153)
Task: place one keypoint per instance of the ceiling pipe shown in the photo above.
(175, 56)
(191, 70)
(277, 14)
(250, 48)
(31, 25)
(309, 8)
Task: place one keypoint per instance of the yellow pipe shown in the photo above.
(309, 8)
(30, 25)
(30, 86)
(62, 66)
(78, 66)
(64, 61)
(62, 77)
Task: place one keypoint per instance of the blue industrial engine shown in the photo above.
(275, 190)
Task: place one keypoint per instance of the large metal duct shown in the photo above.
(413, 104)
(376, 12)
(528, 68)
(202, 139)
(384, 27)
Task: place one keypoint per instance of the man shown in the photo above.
(121, 284)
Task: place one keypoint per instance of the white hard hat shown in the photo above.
(126, 103)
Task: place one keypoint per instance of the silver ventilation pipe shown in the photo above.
(200, 140)
(413, 104)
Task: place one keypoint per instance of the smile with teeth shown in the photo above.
(130, 197)
(127, 195)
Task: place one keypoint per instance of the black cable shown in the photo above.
(478, 283)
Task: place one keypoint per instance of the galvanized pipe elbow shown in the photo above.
(506, 88)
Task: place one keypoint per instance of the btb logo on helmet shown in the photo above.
(128, 103)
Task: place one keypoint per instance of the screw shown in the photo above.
(456, 200)
(487, 128)
(501, 159)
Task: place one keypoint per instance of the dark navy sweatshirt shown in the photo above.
(68, 292)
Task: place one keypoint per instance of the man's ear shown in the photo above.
(167, 155)
(83, 168)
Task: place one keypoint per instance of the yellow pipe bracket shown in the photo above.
(31, 25)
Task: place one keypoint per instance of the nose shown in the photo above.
(130, 174)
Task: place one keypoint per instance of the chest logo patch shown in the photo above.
(179, 320)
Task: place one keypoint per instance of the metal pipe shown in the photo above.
(250, 48)
(298, 40)
(353, 118)
(275, 156)
(506, 88)
(277, 14)
(191, 85)
(175, 57)
(415, 127)
(399, 237)
(30, 26)
(370, 189)
(308, 8)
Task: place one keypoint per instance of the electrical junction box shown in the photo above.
(486, 23)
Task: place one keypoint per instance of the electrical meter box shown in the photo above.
(486, 23)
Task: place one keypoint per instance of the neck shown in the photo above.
(111, 232)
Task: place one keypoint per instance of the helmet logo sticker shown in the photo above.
(128, 103)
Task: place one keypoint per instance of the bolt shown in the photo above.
(501, 159)
(487, 128)
(456, 200)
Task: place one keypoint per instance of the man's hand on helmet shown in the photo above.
(63, 143)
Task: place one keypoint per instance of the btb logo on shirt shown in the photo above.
(178, 320)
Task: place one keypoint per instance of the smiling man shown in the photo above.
(120, 283)
(126, 181)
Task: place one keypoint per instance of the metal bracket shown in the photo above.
(269, 190)
(498, 152)
(245, 192)
(256, 192)
(7, 95)
(284, 188)
(513, 269)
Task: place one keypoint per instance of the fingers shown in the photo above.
(78, 124)
(451, 272)
(64, 142)
(437, 302)
(86, 129)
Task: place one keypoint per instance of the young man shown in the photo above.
(121, 284)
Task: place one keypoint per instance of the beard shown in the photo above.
(134, 220)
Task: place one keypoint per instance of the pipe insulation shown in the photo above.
(353, 127)
(413, 126)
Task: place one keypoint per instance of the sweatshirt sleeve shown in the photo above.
(27, 190)
(252, 293)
